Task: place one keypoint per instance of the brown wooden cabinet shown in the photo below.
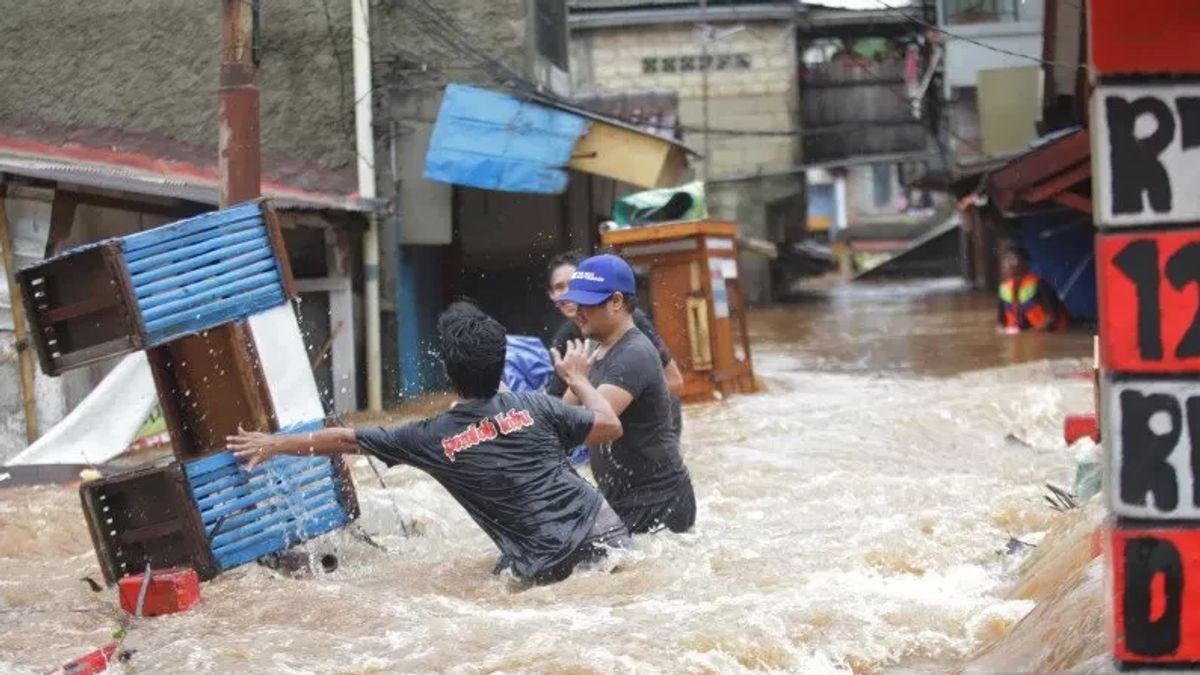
(690, 270)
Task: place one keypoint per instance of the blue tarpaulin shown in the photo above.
(1062, 251)
(494, 141)
(527, 365)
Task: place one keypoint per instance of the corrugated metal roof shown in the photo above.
(646, 14)
(625, 4)
(21, 157)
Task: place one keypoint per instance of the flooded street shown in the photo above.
(851, 518)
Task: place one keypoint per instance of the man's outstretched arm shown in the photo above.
(255, 447)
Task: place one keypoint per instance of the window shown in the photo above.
(550, 18)
(881, 184)
(960, 12)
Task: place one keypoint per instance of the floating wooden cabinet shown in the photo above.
(213, 515)
(208, 385)
(146, 289)
(145, 516)
(695, 299)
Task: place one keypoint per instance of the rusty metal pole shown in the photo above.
(237, 114)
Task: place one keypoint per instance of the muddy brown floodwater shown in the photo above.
(851, 518)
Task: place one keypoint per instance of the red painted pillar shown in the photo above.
(1145, 126)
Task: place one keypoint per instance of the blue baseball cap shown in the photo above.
(597, 278)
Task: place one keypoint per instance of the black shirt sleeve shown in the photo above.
(631, 367)
(645, 325)
(572, 424)
(392, 445)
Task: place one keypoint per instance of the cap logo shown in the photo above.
(588, 276)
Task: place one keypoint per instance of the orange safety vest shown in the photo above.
(1023, 310)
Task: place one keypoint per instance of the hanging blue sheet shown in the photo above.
(1062, 251)
(527, 365)
(494, 141)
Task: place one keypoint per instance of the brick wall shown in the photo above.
(752, 84)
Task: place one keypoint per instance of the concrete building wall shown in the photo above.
(965, 59)
(151, 67)
(752, 84)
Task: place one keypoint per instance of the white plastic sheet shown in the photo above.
(285, 364)
(104, 424)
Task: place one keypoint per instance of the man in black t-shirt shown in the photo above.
(641, 474)
(502, 456)
(559, 273)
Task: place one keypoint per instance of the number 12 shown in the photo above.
(1139, 262)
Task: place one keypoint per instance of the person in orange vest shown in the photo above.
(1026, 301)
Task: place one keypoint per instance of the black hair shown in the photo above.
(630, 301)
(1017, 250)
(473, 349)
(572, 258)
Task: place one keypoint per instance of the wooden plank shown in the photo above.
(176, 287)
(133, 314)
(182, 228)
(1060, 183)
(208, 368)
(1074, 201)
(280, 539)
(104, 555)
(279, 515)
(203, 560)
(280, 248)
(256, 242)
(236, 227)
(82, 357)
(197, 295)
(62, 219)
(93, 304)
(669, 231)
(1036, 166)
(150, 532)
(211, 249)
(17, 306)
(346, 492)
(169, 328)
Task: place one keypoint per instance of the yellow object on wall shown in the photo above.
(629, 156)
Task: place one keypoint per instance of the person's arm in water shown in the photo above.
(572, 366)
(255, 447)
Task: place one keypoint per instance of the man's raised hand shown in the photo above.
(573, 362)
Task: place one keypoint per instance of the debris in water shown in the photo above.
(1059, 499)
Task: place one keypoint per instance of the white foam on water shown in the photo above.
(847, 522)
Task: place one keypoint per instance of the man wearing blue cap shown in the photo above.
(641, 474)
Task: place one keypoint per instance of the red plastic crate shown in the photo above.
(1076, 427)
(171, 590)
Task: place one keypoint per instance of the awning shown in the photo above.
(496, 141)
(139, 173)
(1058, 171)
